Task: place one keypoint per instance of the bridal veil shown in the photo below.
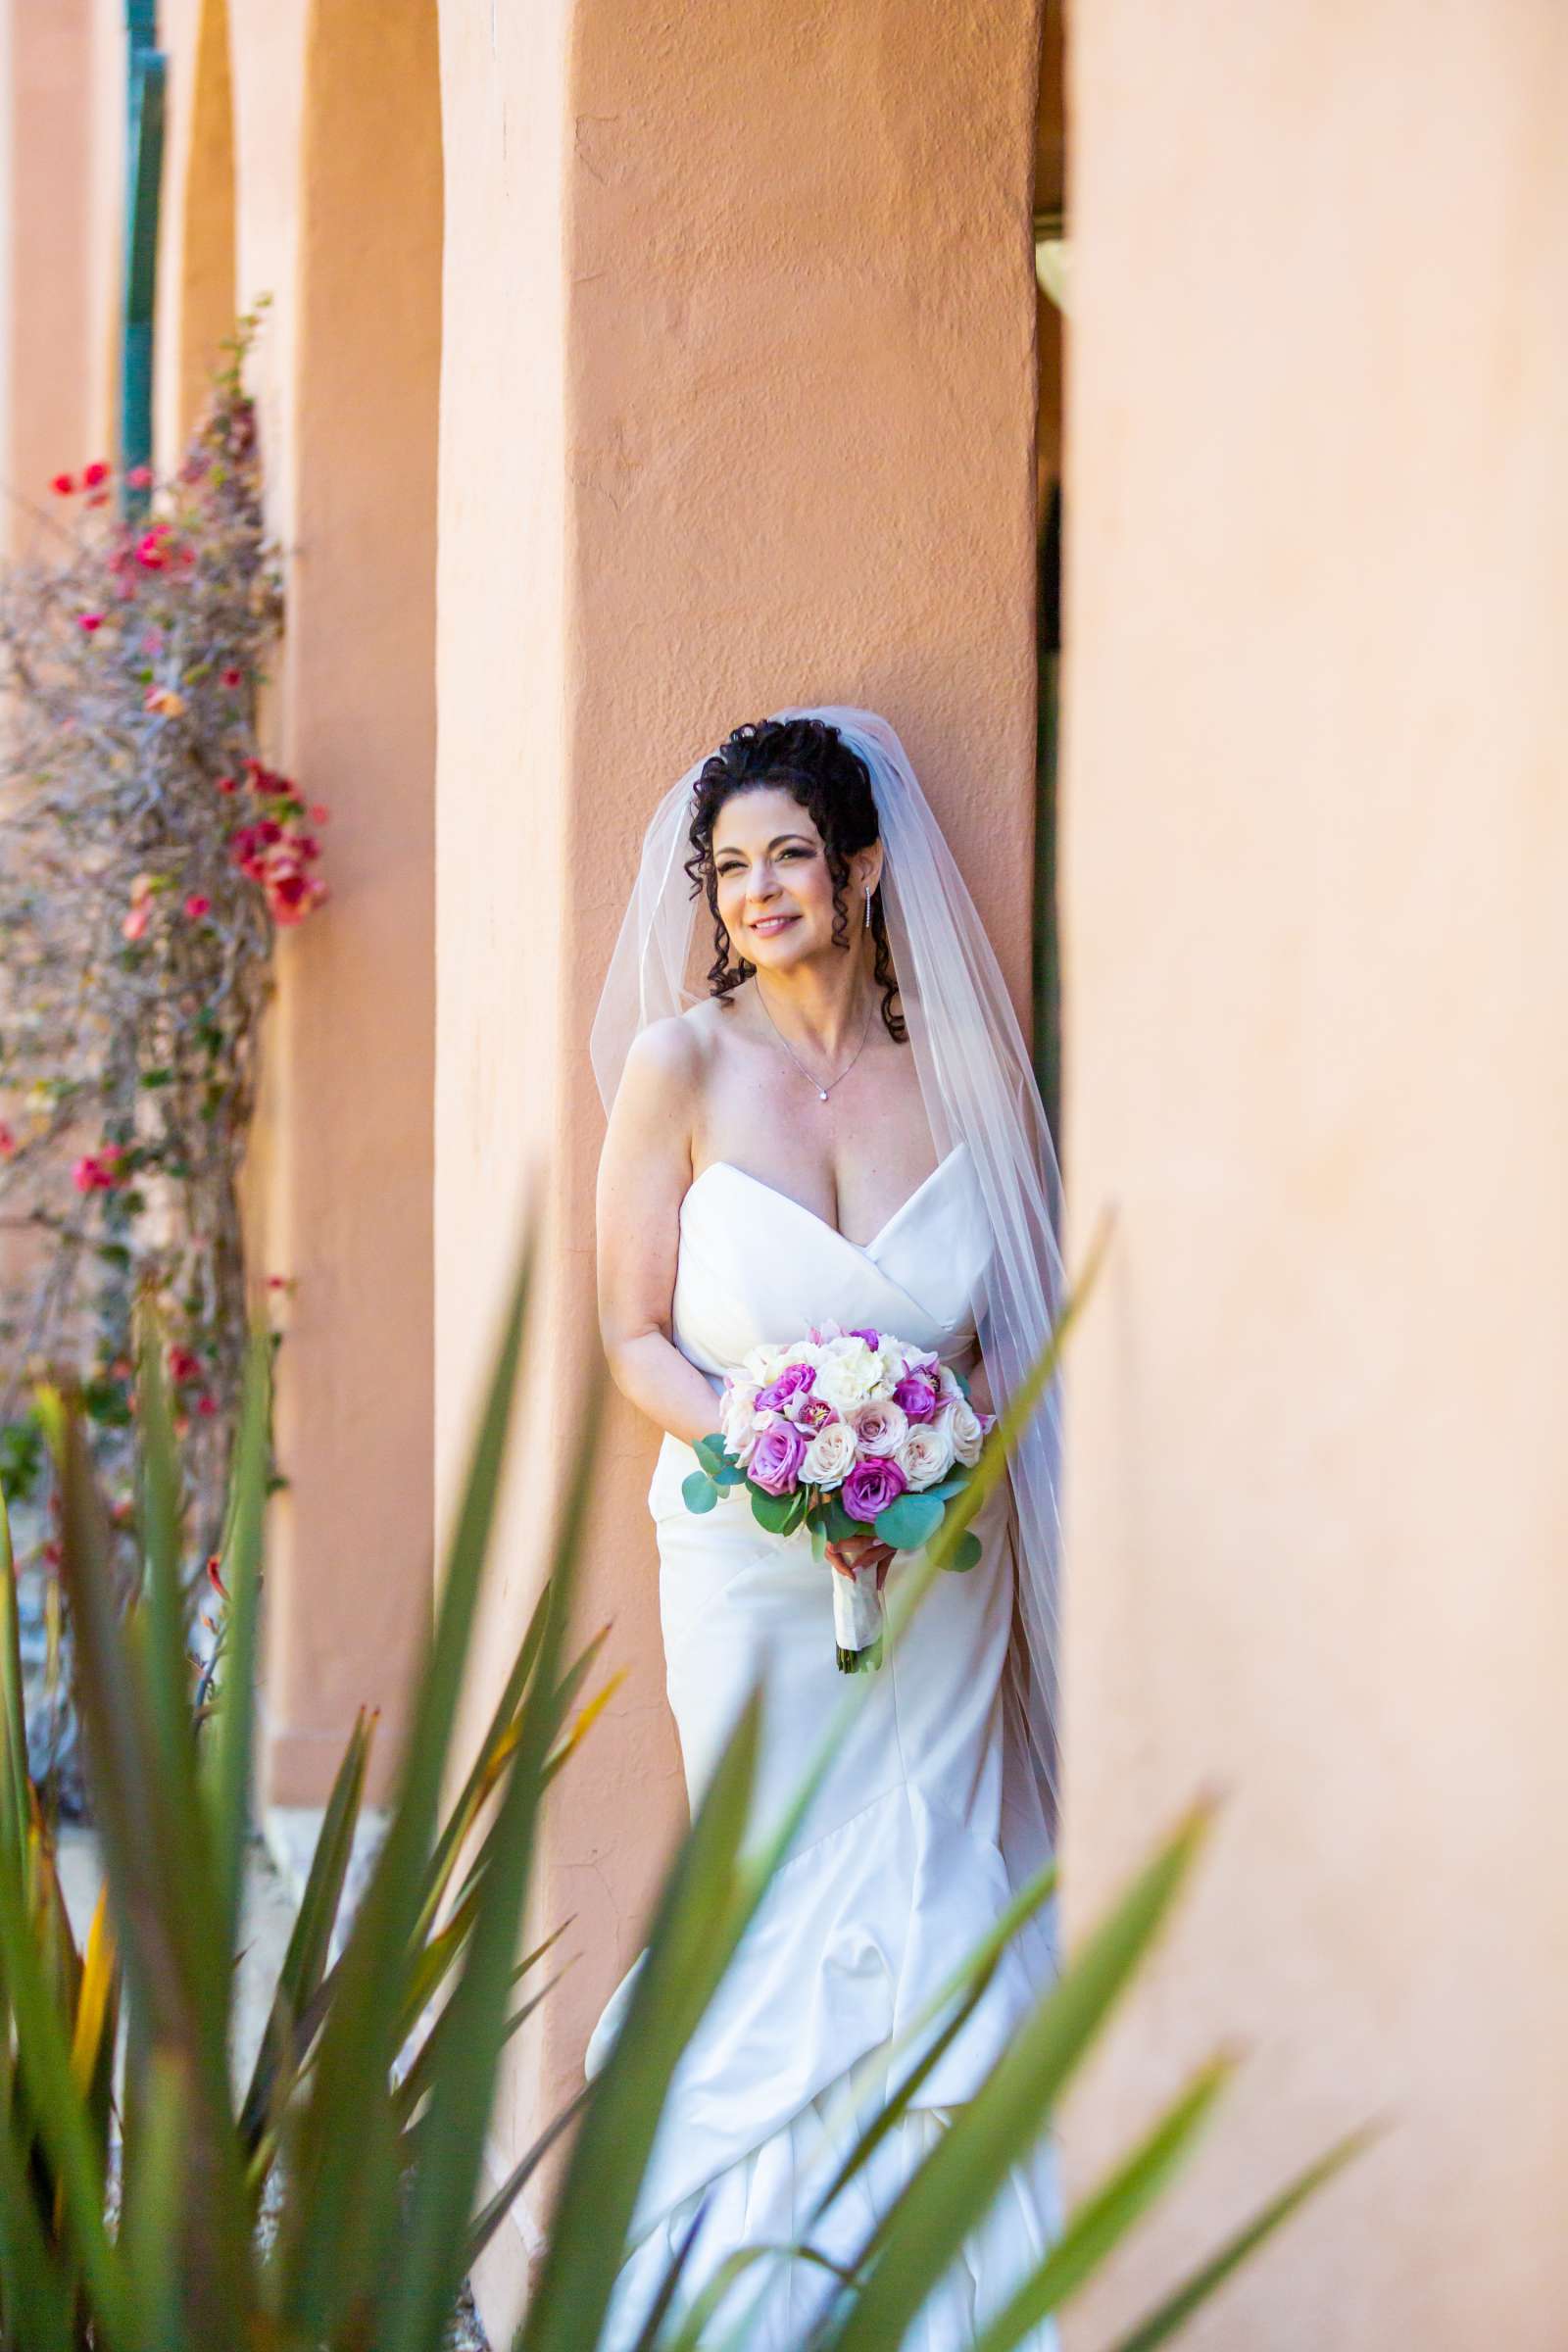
(978, 1086)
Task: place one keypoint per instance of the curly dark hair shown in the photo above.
(811, 760)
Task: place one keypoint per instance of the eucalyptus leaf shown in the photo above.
(709, 1452)
(697, 1491)
(909, 1522)
(771, 1512)
(840, 1526)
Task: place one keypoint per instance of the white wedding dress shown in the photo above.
(912, 1846)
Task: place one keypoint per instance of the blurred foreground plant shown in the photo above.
(376, 2135)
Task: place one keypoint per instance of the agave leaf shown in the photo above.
(658, 2311)
(470, 1803)
(14, 1782)
(696, 1927)
(343, 2179)
(485, 2224)
(571, 1684)
(463, 2084)
(151, 2234)
(169, 1673)
(587, 1716)
(176, 1975)
(910, 2248)
(43, 2063)
(693, 2334)
(305, 1961)
(966, 1984)
(989, 1471)
(229, 1786)
(412, 2085)
(39, 2292)
(1177, 2309)
(1105, 2216)
(94, 2001)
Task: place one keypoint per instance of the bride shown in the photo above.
(821, 1108)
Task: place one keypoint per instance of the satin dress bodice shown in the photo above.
(755, 1264)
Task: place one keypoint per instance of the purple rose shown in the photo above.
(775, 1464)
(917, 1395)
(777, 1393)
(870, 1487)
(872, 1338)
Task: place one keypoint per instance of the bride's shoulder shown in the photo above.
(676, 1046)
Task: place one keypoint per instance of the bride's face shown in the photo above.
(776, 893)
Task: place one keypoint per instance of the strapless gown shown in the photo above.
(914, 1845)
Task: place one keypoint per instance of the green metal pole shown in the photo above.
(1047, 966)
(147, 70)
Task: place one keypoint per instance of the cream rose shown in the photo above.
(830, 1456)
(925, 1453)
(880, 1427)
(763, 1362)
(967, 1435)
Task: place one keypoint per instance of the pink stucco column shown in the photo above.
(1315, 861)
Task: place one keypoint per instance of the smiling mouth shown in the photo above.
(774, 922)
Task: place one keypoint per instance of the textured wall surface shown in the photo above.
(1317, 857)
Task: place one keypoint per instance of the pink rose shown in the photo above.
(917, 1393)
(870, 1487)
(776, 1459)
(879, 1427)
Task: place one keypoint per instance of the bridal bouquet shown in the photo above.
(846, 1432)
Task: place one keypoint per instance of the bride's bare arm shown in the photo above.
(644, 1171)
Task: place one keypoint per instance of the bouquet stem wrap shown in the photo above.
(858, 1618)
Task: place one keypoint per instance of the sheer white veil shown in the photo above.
(978, 1086)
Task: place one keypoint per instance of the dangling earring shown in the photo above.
(869, 906)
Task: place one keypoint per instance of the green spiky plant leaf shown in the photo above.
(371, 2095)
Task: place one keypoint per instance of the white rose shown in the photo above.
(848, 1372)
(735, 1421)
(948, 1384)
(830, 1456)
(763, 1362)
(925, 1455)
(880, 1426)
(967, 1435)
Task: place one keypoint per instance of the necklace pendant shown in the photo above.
(822, 1093)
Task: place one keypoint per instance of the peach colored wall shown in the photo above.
(501, 851)
(1316, 859)
(197, 250)
(105, 92)
(47, 229)
(348, 1170)
(796, 462)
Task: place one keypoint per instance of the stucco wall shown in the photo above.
(1316, 856)
(44, 407)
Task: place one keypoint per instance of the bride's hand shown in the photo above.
(857, 1550)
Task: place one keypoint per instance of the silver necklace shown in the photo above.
(823, 1092)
